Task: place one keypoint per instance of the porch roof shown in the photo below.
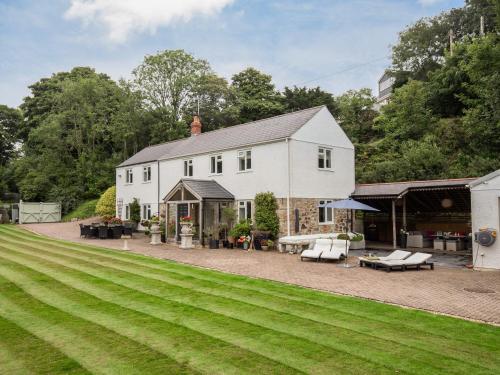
(202, 189)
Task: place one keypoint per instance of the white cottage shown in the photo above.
(303, 157)
(485, 204)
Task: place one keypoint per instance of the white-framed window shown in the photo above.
(245, 160)
(244, 210)
(216, 164)
(146, 211)
(324, 158)
(188, 168)
(129, 176)
(127, 212)
(146, 174)
(325, 213)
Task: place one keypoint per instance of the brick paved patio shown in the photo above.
(445, 290)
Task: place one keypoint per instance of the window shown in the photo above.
(188, 168)
(324, 158)
(127, 212)
(146, 174)
(129, 176)
(245, 210)
(216, 164)
(245, 160)
(146, 211)
(325, 213)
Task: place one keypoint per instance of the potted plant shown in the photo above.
(243, 228)
(213, 243)
(186, 225)
(270, 244)
(154, 224)
(264, 245)
(357, 242)
(135, 213)
(163, 231)
(228, 215)
(244, 241)
(146, 225)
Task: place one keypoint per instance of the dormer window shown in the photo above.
(129, 176)
(324, 158)
(188, 168)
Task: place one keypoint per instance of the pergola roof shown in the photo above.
(391, 190)
(201, 190)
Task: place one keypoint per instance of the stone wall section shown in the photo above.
(308, 217)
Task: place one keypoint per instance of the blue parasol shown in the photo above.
(349, 204)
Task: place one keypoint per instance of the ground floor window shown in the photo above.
(325, 213)
(146, 211)
(127, 212)
(245, 210)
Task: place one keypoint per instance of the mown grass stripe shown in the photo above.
(294, 351)
(437, 326)
(94, 347)
(25, 353)
(413, 338)
(445, 363)
(203, 352)
(305, 330)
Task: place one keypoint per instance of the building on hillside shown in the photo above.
(385, 84)
(485, 201)
(303, 157)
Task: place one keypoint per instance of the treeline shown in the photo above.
(66, 138)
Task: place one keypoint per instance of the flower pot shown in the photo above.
(245, 245)
(186, 227)
(163, 238)
(265, 247)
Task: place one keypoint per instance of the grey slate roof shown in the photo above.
(207, 189)
(273, 128)
(394, 189)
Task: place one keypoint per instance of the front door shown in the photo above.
(182, 210)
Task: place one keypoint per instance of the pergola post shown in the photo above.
(200, 235)
(394, 238)
(404, 212)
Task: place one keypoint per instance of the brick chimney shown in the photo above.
(195, 126)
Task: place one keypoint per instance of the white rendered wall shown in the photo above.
(146, 192)
(307, 180)
(269, 171)
(485, 201)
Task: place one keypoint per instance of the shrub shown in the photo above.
(243, 228)
(83, 211)
(135, 211)
(106, 205)
(343, 236)
(357, 237)
(266, 217)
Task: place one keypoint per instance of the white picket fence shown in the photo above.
(39, 212)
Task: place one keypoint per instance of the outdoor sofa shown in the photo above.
(416, 260)
(321, 245)
(337, 251)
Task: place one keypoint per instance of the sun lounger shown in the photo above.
(416, 260)
(395, 255)
(320, 245)
(337, 251)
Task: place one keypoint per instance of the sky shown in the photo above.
(335, 44)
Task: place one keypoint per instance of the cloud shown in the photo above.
(429, 2)
(121, 18)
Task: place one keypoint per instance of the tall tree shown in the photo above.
(168, 82)
(256, 95)
(10, 128)
(297, 98)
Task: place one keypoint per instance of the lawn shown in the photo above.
(78, 309)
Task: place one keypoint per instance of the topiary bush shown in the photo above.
(135, 211)
(266, 217)
(106, 205)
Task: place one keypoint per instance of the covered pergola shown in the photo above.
(414, 205)
(203, 200)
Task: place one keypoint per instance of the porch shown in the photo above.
(203, 201)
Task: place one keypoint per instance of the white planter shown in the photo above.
(186, 228)
(357, 245)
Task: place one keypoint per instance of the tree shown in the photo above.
(256, 96)
(168, 82)
(106, 205)
(298, 98)
(355, 114)
(421, 47)
(10, 124)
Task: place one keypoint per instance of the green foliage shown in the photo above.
(243, 228)
(10, 124)
(135, 211)
(83, 211)
(256, 96)
(266, 216)
(106, 205)
(343, 236)
(298, 98)
(228, 215)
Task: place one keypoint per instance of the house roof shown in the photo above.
(486, 178)
(266, 130)
(396, 189)
(203, 189)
